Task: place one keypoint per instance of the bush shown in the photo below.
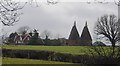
(104, 55)
(43, 55)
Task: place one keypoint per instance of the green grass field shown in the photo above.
(29, 61)
(75, 50)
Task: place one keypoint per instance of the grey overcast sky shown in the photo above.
(59, 18)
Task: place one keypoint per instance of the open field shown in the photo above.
(75, 50)
(29, 61)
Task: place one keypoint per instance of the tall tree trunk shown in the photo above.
(113, 47)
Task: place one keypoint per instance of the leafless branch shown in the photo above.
(108, 26)
(9, 12)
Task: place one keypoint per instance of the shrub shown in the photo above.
(104, 55)
(42, 55)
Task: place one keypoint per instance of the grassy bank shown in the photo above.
(29, 61)
(75, 50)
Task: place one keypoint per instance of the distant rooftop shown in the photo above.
(74, 35)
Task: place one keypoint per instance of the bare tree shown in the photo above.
(46, 34)
(109, 27)
(23, 29)
(9, 10)
(57, 36)
(9, 14)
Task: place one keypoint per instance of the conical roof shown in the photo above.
(85, 36)
(74, 35)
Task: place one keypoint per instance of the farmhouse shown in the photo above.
(25, 38)
(76, 40)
